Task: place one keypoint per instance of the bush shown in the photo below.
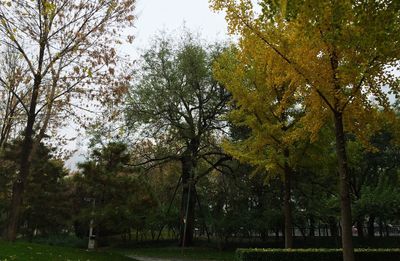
(314, 254)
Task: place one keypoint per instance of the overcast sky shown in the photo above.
(154, 16)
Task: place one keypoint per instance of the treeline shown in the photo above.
(187, 163)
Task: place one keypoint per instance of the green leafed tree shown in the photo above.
(109, 192)
(177, 105)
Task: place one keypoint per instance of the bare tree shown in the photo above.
(66, 45)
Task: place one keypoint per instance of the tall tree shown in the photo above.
(343, 51)
(179, 105)
(258, 86)
(64, 45)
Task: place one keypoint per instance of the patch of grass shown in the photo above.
(22, 251)
(61, 240)
(194, 253)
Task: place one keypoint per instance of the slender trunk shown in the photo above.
(287, 208)
(387, 229)
(188, 202)
(380, 228)
(204, 217)
(345, 201)
(371, 227)
(7, 120)
(360, 227)
(277, 234)
(333, 228)
(312, 226)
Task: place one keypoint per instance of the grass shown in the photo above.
(28, 251)
(195, 253)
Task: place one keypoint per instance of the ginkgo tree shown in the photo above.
(344, 52)
(64, 47)
(260, 88)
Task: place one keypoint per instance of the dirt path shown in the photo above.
(142, 258)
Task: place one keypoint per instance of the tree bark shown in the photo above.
(344, 188)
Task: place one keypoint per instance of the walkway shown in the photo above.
(142, 258)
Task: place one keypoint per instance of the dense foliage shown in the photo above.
(288, 137)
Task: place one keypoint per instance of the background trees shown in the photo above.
(305, 94)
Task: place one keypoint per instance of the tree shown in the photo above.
(11, 75)
(64, 46)
(46, 208)
(121, 199)
(342, 50)
(178, 105)
(374, 177)
(258, 86)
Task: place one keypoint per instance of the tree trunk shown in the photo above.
(371, 227)
(360, 227)
(287, 209)
(333, 228)
(312, 226)
(345, 201)
(380, 228)
(19, 184)
(25, 164)
(188, 202)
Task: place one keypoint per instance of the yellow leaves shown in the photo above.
(49, 7)
(264, 94)
(89, 72)
(238, 13)
(322, 59)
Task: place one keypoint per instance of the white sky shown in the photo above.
(154, 16)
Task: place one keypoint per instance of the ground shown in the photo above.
(41, 252)
(22, 251)
(177, 254)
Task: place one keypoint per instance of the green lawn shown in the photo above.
(194, 253)
(27, 251)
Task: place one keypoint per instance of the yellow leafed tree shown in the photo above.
(266, 102)
(343, 51)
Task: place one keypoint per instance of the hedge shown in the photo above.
(315, 254)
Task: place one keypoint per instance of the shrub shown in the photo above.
(314, 254)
